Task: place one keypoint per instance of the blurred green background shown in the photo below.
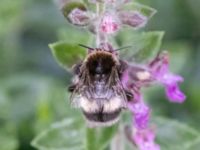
(33, 86)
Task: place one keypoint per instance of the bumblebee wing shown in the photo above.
(76, 96)
(75, 100)
(117, 86)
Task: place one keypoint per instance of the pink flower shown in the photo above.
(160, 71)
(144, 139)
(109, 24)
(141, 115)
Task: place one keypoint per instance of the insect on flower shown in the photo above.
(97, 89)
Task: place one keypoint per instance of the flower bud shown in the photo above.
(109, 24)
(78, 17)
(75, 12)
(133, 18)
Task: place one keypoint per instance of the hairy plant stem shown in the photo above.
(100, 37)
(118, 140)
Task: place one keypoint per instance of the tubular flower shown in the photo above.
(160, 71)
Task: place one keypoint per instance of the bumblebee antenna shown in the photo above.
(122, 48)
(84, 46)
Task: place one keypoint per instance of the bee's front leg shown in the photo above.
(129, 95)
(71, 88)
(76, 69)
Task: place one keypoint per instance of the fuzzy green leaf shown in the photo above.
(194, 145)
(69, 134)
(65, 135)
(67, 54)
(8, 138)
(143, 9)
(145, 45)
(99, 138)
(175, 135)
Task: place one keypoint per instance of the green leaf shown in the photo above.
(8, 138)
(70, 134)
(175, 135)
(65, 135)
(195, 145)
(99, 138)
(67, 54)
(76, 36)
(145, 45)
(143, 9)
(179, 54)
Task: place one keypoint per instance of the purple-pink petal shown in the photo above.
(141, 114)
(144, 139)
(174, 94)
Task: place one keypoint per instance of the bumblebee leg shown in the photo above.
(71, 88)
(129, 95)
(76, 68)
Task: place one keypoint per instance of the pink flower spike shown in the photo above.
(109, 24)
(160, 71)
(144, 139)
